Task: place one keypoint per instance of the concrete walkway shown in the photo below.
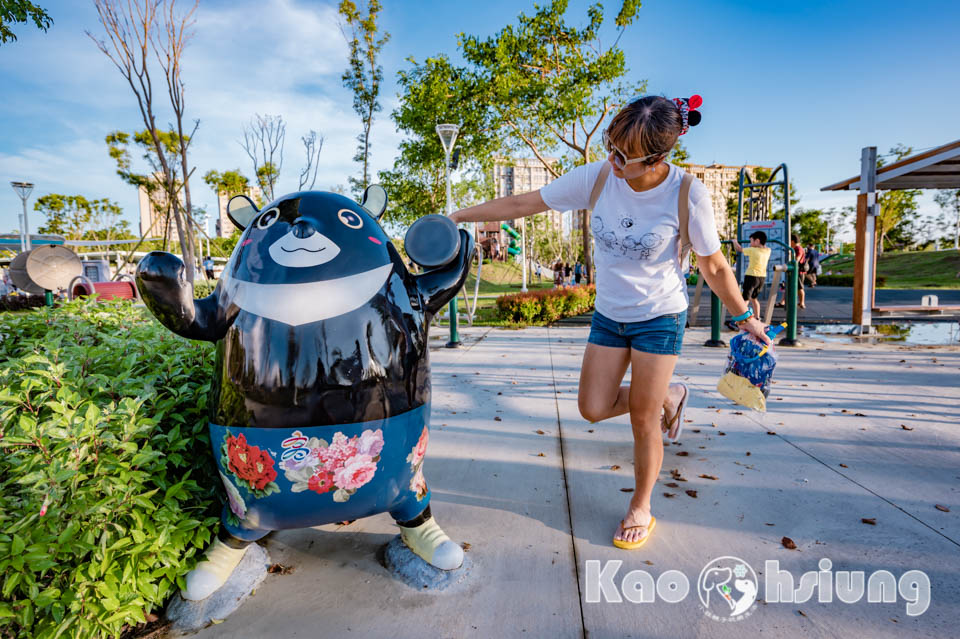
(536, 492)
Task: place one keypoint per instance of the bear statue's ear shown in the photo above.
(374, 201)
(241, 210)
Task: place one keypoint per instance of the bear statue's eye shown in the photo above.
(268, 218)
(350, 218)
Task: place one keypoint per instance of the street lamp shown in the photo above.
(23, 189)
(448, 137)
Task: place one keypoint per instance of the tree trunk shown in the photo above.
(587, 257)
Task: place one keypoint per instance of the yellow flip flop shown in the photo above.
(633, 545)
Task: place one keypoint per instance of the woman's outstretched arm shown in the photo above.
(502, 209)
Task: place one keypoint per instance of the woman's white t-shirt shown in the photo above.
(637, 239)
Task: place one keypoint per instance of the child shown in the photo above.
(759, 254)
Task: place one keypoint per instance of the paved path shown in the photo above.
(520, 476)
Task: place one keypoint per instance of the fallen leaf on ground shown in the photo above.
(497, 419)
(465, 545)
(589, 430)
(859, 415)
(695, 430)
(672, 484)
(942, 508)
(540, 455)
(905, 427)
(682, 453)
(499, 392)
(688, 421)
(539, 432)
(626, 490)
(844, 410)
(821, 414)
(669, 494)
(788, 543)
(721, 433)
(800, 611)
(869, 520)
(692, 493)
(707, 476)
(711, 406)
(766, 524)
(615, 467)
(279, 569)
(648, 562)
(771, 432)
(844, 466)
(737, 412)
(748, 453)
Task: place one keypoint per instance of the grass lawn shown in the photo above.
(916, 269)
(499, 278)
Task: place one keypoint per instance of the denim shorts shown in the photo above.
(660, 336)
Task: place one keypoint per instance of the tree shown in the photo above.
(263, 141)
(810, 226)
(77, 218)
(897, 208)
(949, 202)
(21, 11)
(229, 183)
(552, 84)
(133, 32)
(312, 145)
(679, 155)
(363, 76)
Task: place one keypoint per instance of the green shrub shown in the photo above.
(202, 288)
(546, 306)
(107, 493)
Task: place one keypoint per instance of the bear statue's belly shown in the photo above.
(326, 421)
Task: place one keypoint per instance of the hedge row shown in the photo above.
(546, 306)
(107, 494)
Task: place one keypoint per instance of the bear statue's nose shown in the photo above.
(303, 229)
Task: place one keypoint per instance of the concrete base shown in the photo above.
(190, 616)
(415, 572)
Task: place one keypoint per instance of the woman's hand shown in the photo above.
(756, 328)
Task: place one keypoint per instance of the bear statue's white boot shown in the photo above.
(213, 571)
(432, 545)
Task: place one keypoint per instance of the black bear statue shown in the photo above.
(320, 402)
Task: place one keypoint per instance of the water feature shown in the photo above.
(906, 332)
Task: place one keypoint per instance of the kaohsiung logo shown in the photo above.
(728, 588)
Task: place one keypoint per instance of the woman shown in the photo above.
(641, 292)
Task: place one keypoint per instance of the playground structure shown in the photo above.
(938, 168)
(758, 206)
(514, 248)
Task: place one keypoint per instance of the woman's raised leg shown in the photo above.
(600, 395)
(649, 381)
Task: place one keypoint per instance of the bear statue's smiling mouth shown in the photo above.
(286, 250)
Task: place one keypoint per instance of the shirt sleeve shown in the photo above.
(703, 225)
(571, 191)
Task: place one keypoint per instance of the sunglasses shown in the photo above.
(620, 158)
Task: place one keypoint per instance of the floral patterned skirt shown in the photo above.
(279, 478)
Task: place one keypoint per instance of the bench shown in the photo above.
(125, 289)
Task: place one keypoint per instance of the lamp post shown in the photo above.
(523, 254)
(448, 137)
(23, 190)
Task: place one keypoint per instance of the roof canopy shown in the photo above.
(937, 168)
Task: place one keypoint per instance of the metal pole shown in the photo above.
(791, 302)
(26, 224)
(454, 335)
(716, 317)
(523, 254)
(23, 246)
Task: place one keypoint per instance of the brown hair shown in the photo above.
(651, 124)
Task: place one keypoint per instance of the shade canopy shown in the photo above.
(937, 168)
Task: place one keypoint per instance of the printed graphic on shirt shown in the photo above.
(625, 239)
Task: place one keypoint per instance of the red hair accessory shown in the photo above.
(688, 111)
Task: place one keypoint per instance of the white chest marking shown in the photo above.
(297, 304)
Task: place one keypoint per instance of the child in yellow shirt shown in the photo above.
(759, 254)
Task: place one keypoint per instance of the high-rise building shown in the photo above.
(223, 227)
(719, 178)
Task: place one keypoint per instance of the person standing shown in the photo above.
(758, 255)
(208, 266)
(577, 272)
(539, 271)
(801, 256)
(813, 264)
(638, 201)
(558, 274)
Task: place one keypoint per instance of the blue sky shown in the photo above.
(806, 83)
